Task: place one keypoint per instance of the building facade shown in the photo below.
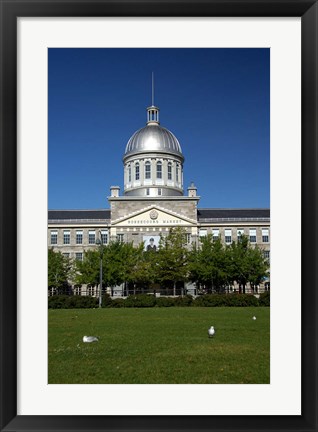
(152, 202)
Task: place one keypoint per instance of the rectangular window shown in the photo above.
(169, 171)
(147, 191)
(215, 233)
(239, 234)
(252, 235)
(188, 238)
(137, 173)
(265, 235)
(66, 237)
(159, 170)
(177, 173)
(120, 238)
(66, 254)
(266, 254)
(159, 191)
(147, 170)
(53, 237)
(228, 235)
(91, 237)
(79, 256)
(202, 232)
(104, 237)
(79, 237)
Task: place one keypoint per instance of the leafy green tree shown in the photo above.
(59, 270)
(143, 272)
(130, 257)
(246, 263)
(259, 266)
(172, 258)
(87, 270)
(208, 264)
(112, 264)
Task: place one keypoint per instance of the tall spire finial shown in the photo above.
(152, 111)
(153, 91)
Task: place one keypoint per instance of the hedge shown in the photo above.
(144, 300)
(264, 299)
(72, 302)
(216, 300)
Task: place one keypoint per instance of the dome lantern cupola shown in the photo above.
(152, 115)
(153, 160)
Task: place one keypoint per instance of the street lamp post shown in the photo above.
(99, 242)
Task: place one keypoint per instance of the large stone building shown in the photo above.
(153, 201)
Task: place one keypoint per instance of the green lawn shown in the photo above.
(159, 346)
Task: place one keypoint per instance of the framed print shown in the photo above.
(28, 30)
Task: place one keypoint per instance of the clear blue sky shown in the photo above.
(215, 101)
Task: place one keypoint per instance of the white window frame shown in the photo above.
(215, 233)
(137, 171)
(252, 234)
(147, 171)
(169, 171)
(79, 256)
(90, 234)
(265, 235)
(103, 234)
(228, 236)
(159, 171)
(203, 232)
(66, 234)
(54, 234)
(79, 237)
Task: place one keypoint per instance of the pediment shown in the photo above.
(154, 216)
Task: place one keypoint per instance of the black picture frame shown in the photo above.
(10, 11)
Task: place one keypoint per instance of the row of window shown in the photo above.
(240, 232)
(148, 171)
(78, 255)
(120, 237)
(78, 237)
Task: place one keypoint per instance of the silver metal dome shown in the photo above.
(153, 138)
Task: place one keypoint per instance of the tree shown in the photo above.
(208, 264)
(247, 264)
(59, 270)
(143, 271)
(172, 258)
(87, 270)
(129, 258)
(258, 266)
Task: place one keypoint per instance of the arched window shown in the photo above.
(137, 173)
(147, 170)
(159, 170)
(169, 171)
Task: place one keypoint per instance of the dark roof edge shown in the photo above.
(81, 210)
(235, 208)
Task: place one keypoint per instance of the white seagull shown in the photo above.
(254, 318)
(211, 331)
(90, 339)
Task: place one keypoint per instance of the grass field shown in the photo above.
(159, 346)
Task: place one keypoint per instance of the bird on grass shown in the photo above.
(211, 331)
(90, 339)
